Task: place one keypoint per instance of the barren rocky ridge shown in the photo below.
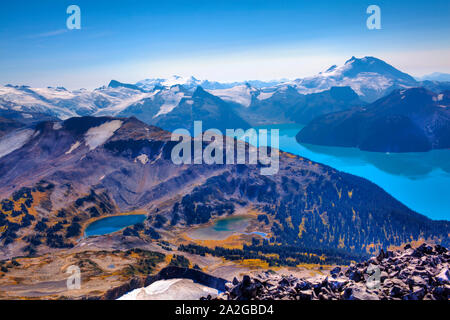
(407, 274)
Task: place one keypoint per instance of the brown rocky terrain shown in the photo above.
(408, 274)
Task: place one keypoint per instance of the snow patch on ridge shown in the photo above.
(143, 158)
(265, 95)
(57, 126)
(120, 105)
(239, 94)
(171, 99)
(14, 141)
(73, 147)
(439, 97)
(99, 135)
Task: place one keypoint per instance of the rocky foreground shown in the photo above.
(407, 274)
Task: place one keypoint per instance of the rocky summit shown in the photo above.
(407, 274)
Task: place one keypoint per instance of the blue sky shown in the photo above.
(219, 40)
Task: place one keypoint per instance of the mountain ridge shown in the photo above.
(410, 120)
(369, 77)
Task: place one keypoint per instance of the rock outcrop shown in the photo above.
(407, 274)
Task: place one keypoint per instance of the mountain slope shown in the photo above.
(8, 125)
(179, 107)
(66, 173)
(369, 77)
(287, 105)
(405, 121)
(63, 104)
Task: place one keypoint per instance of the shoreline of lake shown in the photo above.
(418, 180)
(136, 218)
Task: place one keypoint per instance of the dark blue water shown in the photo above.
(419, 180)
(113, 224)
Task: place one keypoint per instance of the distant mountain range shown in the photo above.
(435, 76)
(69, 172)
(177, 101)
(192, 82)
(407, 120)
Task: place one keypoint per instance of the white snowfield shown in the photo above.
(265, 95)
(66, 104)
(97, 136)
(73, 147)
(172, 98)
(365, 80)
(173, 289)
(27, 100)
(14, 141)
(242, 94)
(121, 102)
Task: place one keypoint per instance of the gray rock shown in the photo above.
(303, 285)
(356, 275)
(383, 276)
(338, 284)
(416, 281)
(335, 270)
(229, 286)
(305, 295)
(417, 294)
(443, 276)
(358, 293)
(396, 291)
(441, 292)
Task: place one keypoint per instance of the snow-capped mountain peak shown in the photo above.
(150, 84)
(369, 77)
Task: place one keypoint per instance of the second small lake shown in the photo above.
(112, 224)
(223, 228)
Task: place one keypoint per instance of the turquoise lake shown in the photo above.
(112, 224)
(419, 180)
(223, 228)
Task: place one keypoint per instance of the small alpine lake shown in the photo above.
(223, 228)
(112, 224)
